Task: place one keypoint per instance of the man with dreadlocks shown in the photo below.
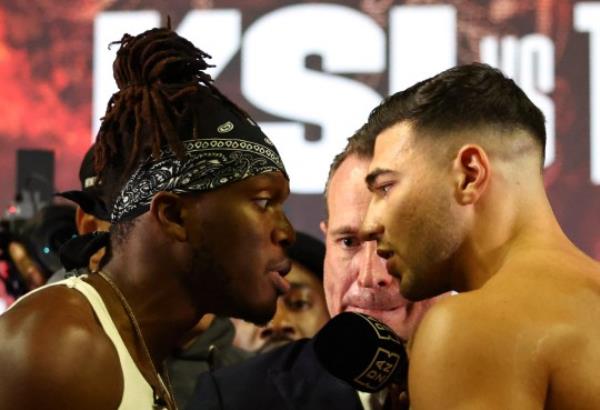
(197, 226)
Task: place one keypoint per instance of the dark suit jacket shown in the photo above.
(289, 378)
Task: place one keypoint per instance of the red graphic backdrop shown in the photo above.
(46, 87)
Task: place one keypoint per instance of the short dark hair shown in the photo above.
(463, 98)
(360, 144)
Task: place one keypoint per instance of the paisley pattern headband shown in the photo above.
(208, 164)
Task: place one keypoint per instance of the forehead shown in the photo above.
(301, 276)
(394, 147)
(267, 180)
(348, 196)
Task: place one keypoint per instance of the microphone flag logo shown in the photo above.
(381, 368)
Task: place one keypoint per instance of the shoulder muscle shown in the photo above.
(55, 355)
(465, 356)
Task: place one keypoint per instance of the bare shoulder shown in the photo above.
(520, 319)
(526, 340)
(461, 326)
(468, 352)
(461, 322)
(55, 355)
(571, 300)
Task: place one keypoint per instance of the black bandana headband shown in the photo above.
(209, 163)
(227, 148)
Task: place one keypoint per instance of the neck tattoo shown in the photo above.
(163, 396)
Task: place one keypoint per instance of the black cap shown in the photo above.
(308, 252)
(87, 174)
(91, 196)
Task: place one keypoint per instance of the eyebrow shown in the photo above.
(299, 285)
(268, 181)
(344, 230)
(373, 175)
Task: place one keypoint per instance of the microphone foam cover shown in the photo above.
(362, 351)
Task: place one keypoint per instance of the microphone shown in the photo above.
(361, 351)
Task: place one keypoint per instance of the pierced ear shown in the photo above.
(472, 169)
(167, 209)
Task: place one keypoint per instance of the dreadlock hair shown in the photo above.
(163, 93)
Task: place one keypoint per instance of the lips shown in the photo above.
(377, 300)
(276, 273)
(282, 267)
(368, 306)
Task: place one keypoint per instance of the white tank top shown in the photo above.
(137, 392)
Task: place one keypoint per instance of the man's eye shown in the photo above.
(262, 202)
(384, 188)
(349, 242)
(298, 304)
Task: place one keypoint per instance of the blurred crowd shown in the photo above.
(29, 249)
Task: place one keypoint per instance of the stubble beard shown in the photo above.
(440, 238)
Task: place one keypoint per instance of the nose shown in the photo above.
(284, 233)
(373, 272)
(371, 229)
(280, 326)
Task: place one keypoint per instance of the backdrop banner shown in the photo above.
(310, 72)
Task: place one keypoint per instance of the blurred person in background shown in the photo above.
(35, 250)
(301, 312)
(10, 280)
(30, 274)
(91, 215)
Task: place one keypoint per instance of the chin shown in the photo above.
(419, 294)
(260, 316)
(411, 292)
(414, 296)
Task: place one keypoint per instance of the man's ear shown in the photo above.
(85, 223)
(472, 171)
(167, 209)
(323, 226)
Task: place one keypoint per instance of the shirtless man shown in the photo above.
(459, 204)
(197, 226)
